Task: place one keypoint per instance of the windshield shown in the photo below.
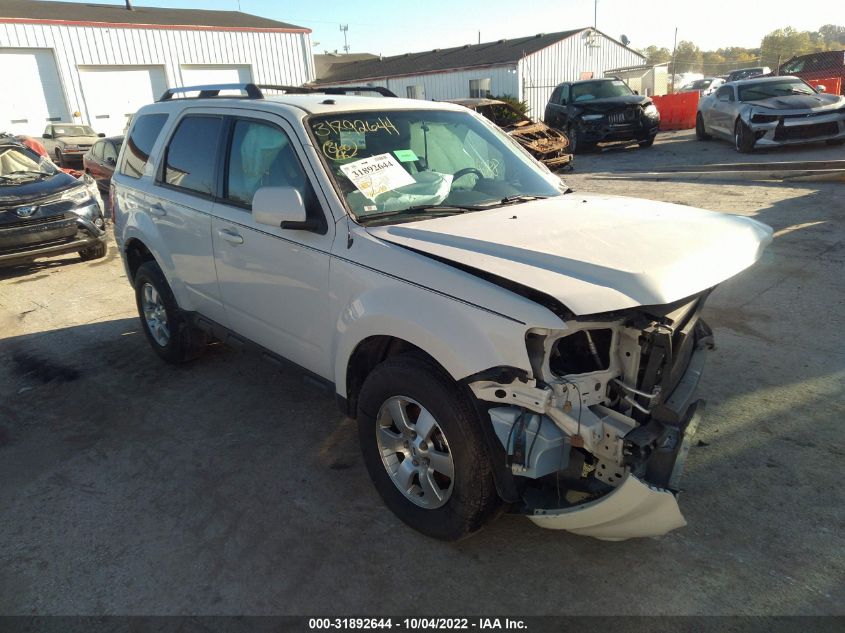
(18, 164)
(600, 90)
(73, 130)
(401, 161)
(768, 89)
(701, 84)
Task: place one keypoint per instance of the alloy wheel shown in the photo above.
(415, 452)
(155, 314)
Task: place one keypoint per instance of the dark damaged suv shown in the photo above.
(43, 210)
(601, 111)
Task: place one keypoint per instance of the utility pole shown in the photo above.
(674, 52)
(595, 14)
(344, 29)
(479, 37)
(129, 5)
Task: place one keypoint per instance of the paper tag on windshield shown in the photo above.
(405, 155)
(376, 175)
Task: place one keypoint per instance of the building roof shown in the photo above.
(85, 14)
(467, 56)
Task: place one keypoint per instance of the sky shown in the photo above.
(391, 27)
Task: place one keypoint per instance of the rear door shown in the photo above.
(180, 208)
(273, 281)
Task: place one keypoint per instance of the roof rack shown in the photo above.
(213, 90)
(254, 91)
(328, 90)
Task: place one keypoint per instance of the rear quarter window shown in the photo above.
(140, 142)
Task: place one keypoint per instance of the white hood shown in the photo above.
(594, 253)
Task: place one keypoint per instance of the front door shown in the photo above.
(273, 281)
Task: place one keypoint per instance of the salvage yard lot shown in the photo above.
(230, 487)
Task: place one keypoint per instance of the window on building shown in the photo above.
(479, 88)
(192, 153)
(261, 156)
(415, 92)
(140, 143)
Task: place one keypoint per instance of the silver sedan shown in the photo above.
(771, 111)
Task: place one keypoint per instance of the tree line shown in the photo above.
(776, 48)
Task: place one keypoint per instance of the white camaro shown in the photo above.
(498, 337)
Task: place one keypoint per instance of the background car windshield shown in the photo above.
(701, 84)
(600, 90)
(73, 130)
(390, 161)
(18, 162)
(768, 89)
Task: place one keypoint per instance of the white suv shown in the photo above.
(500, 339)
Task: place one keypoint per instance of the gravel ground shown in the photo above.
(227, 487)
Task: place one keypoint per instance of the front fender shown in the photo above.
(463, 339)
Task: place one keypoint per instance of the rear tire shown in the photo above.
(701, 131)
(431, 467)
(743, 139)
(164, 324)
(95, 252)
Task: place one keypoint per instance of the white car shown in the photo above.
(499, 338)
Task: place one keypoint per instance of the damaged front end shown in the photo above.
(596, 440)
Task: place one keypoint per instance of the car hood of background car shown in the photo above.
(799, 102)
(605, 105)
(78, 140)
(593, 253)
(26, 191)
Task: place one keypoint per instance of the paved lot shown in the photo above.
(226, 487)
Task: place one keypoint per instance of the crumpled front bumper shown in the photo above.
(636, 508)
(633, 509)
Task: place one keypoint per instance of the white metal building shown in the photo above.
(528, 67)
(97, 64)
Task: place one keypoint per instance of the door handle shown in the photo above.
(230, 236)
(157, 210)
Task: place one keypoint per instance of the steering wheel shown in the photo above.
(465, 172)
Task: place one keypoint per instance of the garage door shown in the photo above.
(199, 75)
(113, 93)
(32, 93)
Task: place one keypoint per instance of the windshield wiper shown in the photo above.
(518, 198)
(422, 209)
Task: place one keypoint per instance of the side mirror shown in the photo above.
(110, 161)
(821, 88)
(281, 207)
(46, 136)
(101, 135)
(636, 92)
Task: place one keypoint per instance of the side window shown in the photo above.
(261, 155)
(564, 95)
(98, 150)
(140, 142)
(109, 152)
(192, 154)
(555, 98)
(725, 93)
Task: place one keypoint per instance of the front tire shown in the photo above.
(700, 131)
(422, 446)
(576, 144)
(60, 161)
(646, 143)
(743, 138)
(164, 324)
